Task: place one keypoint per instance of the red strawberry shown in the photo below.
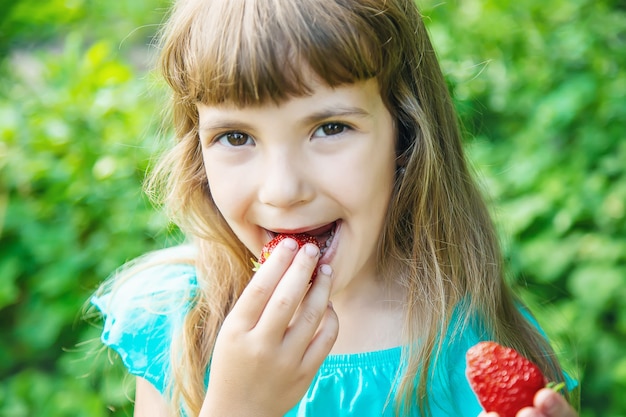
(300, 238)
(503, 380)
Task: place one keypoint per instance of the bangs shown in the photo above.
(250, 51)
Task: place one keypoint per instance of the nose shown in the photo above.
(284, 182)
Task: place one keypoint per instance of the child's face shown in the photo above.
(315, 163)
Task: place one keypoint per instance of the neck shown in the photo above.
(371, 316)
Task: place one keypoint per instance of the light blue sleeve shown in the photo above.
(449, 378)
(141, 315)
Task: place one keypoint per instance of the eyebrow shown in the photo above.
(323, 114)
(224, 125)
(333, 112)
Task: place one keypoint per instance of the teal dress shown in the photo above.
(146, 312)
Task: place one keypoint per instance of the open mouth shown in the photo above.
(325, 239)
(324, 235)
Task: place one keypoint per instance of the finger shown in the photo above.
(254, 298)
(290, 290)
(323, 341)
(553, 404)
(529, 412)
(311, 310)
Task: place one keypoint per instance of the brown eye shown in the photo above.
(234, 139)
(330, 129)
(333, 128)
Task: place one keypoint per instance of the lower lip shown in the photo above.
(330, 252)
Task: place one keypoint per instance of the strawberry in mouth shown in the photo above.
(322, 237)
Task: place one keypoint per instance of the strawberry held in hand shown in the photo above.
(503, 380)
(300, 238)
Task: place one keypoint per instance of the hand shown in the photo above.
(547, 403)
(275, 338)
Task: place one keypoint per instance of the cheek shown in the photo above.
(363, 188)
(368, 176)
(227, 191)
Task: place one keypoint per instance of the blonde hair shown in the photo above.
(439, 240)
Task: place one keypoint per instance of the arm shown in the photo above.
(148, 401)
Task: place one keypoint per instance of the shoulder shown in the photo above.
(450, 390)
(143, 306)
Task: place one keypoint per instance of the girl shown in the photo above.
(329, 118)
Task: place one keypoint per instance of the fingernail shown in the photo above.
(326, 269)
(290, 244)
(311, 250)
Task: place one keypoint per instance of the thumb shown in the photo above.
(553, 404)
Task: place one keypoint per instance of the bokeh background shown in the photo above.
(541, 90)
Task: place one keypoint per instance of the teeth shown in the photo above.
(328, 242)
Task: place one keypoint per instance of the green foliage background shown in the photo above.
(540, 87)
